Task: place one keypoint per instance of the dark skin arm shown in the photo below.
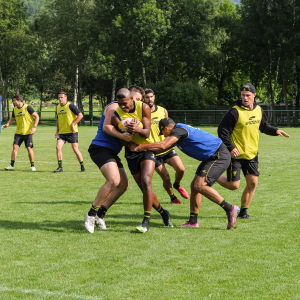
(166, 144)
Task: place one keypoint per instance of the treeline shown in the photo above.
(194, 53)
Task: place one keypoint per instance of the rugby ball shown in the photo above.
(122, 125)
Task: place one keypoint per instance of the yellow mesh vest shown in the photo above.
(24, 120)
(65, 119)
(245, 135)
(137, 114)
(156, 116)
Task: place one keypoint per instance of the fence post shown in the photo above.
(92, 119)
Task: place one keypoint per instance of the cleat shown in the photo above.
(176, 201)
(189, 224)
(82, 169)
(59, 169)
(10, 168)
(232, 216)
(166, 219)
(182, 192)
(89, 223)
(246, 216)
(143, 228)
(100, 223)
(33, 169)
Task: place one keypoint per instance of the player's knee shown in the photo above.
(252, 185)
(234, 185)
(113, 183)
(146, 182)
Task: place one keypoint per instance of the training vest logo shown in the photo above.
(62, 112)
(20, 114)
(252, 121)
(154, 121)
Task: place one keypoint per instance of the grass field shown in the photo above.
(46, 253)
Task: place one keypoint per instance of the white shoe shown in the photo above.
(33, 169)
(100, 223)
(89, 223)
(10, 168)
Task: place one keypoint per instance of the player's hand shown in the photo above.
(127, 136)
(4, 126)
(282, 133)
(133, 147)
(133, 126)
(55, 135)
(33, 130)
(72, 127)
(235, 152)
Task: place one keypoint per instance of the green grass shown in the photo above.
(46, 253)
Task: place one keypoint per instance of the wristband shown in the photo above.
(35, 126)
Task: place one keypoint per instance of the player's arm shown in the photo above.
(36, 122)
(225, 129)
(166, 114)
(57, 129)
(109, 128)
(166, 144)
(144, 132)
(79, 115)
(11, 120)
(266, 128)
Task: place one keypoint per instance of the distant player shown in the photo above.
(104, 151)
(239, 131)
(137, 92)
(141, 165)
(68, 116)
(214, 158)
(26, 127)
(170, 157)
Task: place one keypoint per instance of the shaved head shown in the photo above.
(123, 93)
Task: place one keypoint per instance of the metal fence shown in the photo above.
(290, 118)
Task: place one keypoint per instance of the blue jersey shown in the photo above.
(198, 144)
(105, 140)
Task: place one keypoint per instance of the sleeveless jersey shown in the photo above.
(137, 113)
(65, 119)
(199, 144)
(105, 140)
(24, 120)
(245, 135)
(158, 114)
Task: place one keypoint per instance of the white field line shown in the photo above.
(46, 293)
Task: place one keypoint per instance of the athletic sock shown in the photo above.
(243, 211)
(102, 211)
(93, 211)
(147, 215)
(12, 163)
(176, 185)
(226, 206)
(60, 163)
(173, 197)
(32, 163)
(159, 209)
(193, 217)
(81, 165)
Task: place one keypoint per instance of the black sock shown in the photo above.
(147, 215)
(32, 163)
(102, 211)
(226, 206)
(243, 211)
(12, 163)
(193, 217)
(160, 209)
(60, 163)
(173, 197)
(176, 185)
(93, 211)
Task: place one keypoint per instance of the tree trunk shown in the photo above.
(5, 116)
(143, 73)
(221, 85)
(80, 104)
(113, 91)
(270, 85)
(285, 100)
(294, 94)
(273, 94)
(76, 86)
(90, 102)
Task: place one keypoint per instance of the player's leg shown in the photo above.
(165, 176)
(232, 181)
(59, 145)
(29, 145)
(78, 155)
(179, 168)
(14, 155)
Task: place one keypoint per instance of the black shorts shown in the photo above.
(215, 166)
(102, 155)
(134, 159)
(27, 139)
(68, 137)
(247, 166)
(160, 159)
